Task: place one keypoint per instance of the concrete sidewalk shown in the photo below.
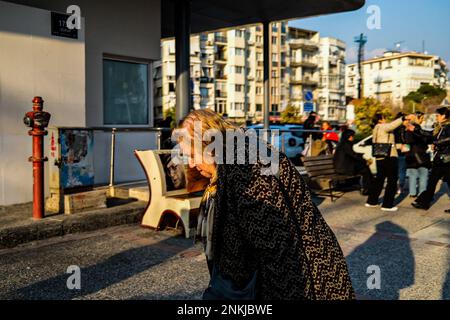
(17, 226)
(410, 247)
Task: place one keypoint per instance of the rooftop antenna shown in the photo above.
(398, 45)
(424, 48)
(361, 40)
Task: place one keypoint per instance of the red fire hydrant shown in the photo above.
(38, 120)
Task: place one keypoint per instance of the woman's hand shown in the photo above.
(410, 128)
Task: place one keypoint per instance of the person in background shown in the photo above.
(310, 124)
(440, 138)
(402, 149)
(348, 162)
(331, 138)
(418, 161)
(387, 167)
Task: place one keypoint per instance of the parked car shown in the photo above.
(293, 142)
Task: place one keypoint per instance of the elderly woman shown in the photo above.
(264, 237)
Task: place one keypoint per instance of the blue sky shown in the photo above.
(411, 21)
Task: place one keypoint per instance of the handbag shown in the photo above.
(381, 150)
(221, 288)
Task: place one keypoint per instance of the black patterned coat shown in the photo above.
(270, 224)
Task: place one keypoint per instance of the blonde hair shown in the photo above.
(209, 120)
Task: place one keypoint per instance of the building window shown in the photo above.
(274, 40)
(204, 92)
(239, 88)
(258, 107)
(259, 74)
(239, 70)
(258, 90)
(239, 33)
(125, 93)
(239, 51)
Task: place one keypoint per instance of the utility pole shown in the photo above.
(361, 40)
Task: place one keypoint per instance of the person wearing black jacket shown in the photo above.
(418, 161)
(440, 138)
(400, 143)
(309, 124)
(348, 162)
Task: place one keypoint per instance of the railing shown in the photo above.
(304, 43)
(221, 39)
(114, 131)
(221, 94)
(221, 57)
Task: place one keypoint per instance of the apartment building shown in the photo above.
(304, 51)
(394, 75)
(227, 71)
(331, 91)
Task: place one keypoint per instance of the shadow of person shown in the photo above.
(443, 191)
(446, 287)
(400, 198)
(94, 278)
(389, 250)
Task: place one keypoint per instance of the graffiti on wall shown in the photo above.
(77, 158)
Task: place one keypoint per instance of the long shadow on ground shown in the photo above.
(104, 274)
(389, 249)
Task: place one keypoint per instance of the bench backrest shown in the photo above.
(319, 166)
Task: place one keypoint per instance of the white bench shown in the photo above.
(164, 205)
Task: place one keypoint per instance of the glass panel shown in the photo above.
(125, 93)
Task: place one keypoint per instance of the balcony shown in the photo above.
(221, 94)
(304, 44)
(221, 77)
(305, 80)
(307, 63)
(334, 60)
(221, 39)
(221, 58)
(206, 80)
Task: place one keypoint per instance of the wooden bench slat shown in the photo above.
(321, 170)
(324, 173)
(320, 167)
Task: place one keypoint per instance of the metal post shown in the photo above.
(267, 45)
(182, 53)
(158, 140)
(283, 141)
(111, 168)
